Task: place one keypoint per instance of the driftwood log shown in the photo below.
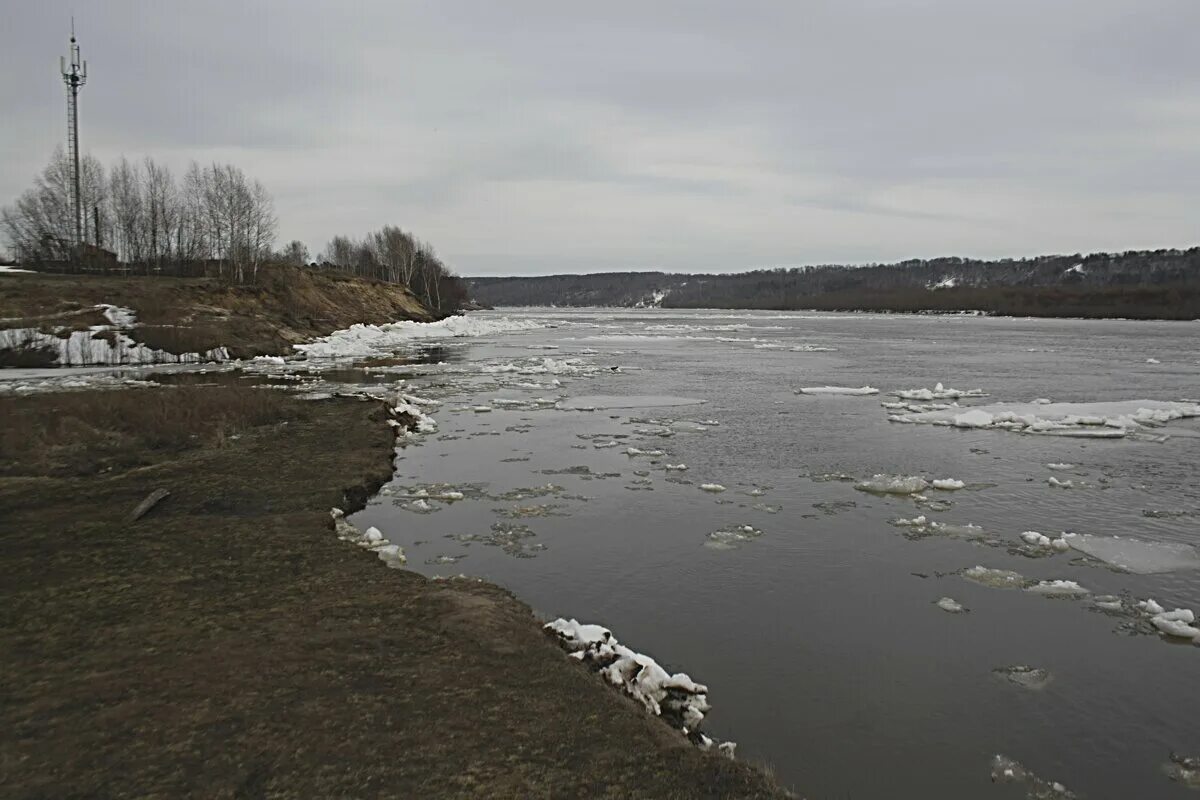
(143, 508)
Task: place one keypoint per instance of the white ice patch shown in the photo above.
(1041, 540)
(1136, 555)
(838, 390)
(390, 554)
(938, 392)
(1096, 420)
(947, 484)
(1057, 588)
(413, 417)
(715, 488)
(365, 340)
(893, 484)
(951, 606)
(676, 698)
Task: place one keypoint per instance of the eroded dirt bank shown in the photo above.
(285, 306)
(228, 645)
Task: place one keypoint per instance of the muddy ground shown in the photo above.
(228, 645)
(284, 306)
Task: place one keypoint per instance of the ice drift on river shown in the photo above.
(1100, 420)
(1136, 555)
(846, 390)
(365, 340)
(893, 484)
(938, 392)
(677, 698)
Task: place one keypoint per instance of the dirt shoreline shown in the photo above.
(227, 644)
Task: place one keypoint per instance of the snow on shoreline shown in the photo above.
(101, 345)
(367, 340)
(676, 698)
(1106, 420)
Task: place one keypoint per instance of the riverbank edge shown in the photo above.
(113, 667)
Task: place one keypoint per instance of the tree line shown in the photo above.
(212, 219)
(395, 256)
(1135, 283)
(140, 212)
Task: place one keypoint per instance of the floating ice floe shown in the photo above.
(1095, 420)
(1036, 539)
(729, 538)
(1153, 361)
(365, 340)
(675, 467)
(1058, 484)
(390, 554)
(994, 578)
(893, 484)
(481, 409)
(839, 390)
(1057, 588)
(1177, 623)
(715, 488)
(950, 605)
(938, 392)
(947, 484)
(1108, 602)
(1007, 770)
(1059, 465)
(1183, 770)
(637, 451)
(676, 698)
(1136, 555)
(63, 383)
(1024, 676)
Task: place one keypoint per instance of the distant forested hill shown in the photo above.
(1147, 284)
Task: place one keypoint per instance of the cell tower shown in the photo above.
(74, 78)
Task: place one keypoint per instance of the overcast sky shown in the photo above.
(561, 136)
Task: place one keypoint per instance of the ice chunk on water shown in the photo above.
(893, 484)
(947, 484)
(1150, 606)
(1024, 675)
(842, 390)
(675, 467)
(1108, 602)
(1007, 770)
(731, 537)
(1057, 484)
(1177, 623)
(1097, 420)
(951, 605)
(1041, 540)
(715, 488)
(995, 578)
(1184, 770)
(938, 392)
(1057, 588)
(1135, 555)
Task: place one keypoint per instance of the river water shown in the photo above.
(816, 631)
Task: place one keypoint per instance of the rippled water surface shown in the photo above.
(817, 631)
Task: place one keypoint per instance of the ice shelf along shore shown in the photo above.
(365, 340)
(678, 699)
(1098, 420)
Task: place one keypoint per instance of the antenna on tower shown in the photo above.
(74, 76)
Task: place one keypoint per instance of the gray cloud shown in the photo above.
(543, 136)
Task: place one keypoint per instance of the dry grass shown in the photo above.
(83, 434)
